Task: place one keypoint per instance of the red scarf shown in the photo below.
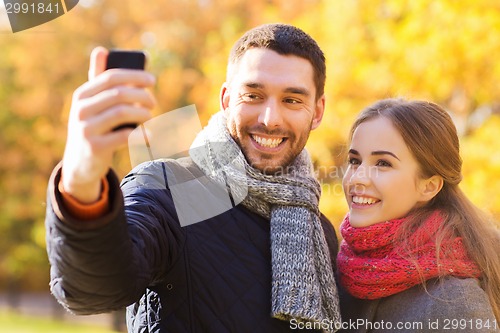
(371, 266)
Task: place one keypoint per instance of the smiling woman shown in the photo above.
(415, 249)
(380, 165)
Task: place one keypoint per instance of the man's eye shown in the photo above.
(291, 101)
(250, 97)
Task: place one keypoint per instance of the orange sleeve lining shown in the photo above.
(83, 211)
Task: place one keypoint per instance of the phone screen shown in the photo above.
(126, 59)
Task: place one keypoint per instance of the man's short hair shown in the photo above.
(286, 40)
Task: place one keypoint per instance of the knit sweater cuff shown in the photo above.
(58, 204)
(83, 211)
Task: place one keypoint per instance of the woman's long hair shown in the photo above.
(431, 136)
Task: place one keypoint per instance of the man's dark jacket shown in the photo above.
(212, 277)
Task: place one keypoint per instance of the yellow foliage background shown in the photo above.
(445, 51)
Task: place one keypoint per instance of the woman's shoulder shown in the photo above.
(446, 296)
(451, 286)
(461, 295)
(441, 302)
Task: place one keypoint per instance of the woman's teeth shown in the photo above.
(364, 200)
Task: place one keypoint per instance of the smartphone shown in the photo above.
(126, 59)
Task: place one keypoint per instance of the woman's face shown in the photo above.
(381, 182)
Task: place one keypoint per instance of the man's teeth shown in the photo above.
(364, 200)
(269, 143)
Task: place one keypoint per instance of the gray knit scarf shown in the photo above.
(303, 284)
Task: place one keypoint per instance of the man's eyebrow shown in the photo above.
(376, 152)
(290, 90)
(254, 85)
(298, 91)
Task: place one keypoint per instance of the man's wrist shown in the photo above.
(85, 193)
(86, 210)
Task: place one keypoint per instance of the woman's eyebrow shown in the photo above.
(385, 152)
(376, 152)
(353, 151)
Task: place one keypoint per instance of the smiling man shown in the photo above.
(263, 264)
(271, 106)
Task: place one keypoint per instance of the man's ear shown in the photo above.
(319, 110)
(224, 96)
(430, 187)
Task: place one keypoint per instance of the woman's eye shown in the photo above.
(353, 161)
(383, 163)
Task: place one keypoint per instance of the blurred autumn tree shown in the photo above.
(438, 50)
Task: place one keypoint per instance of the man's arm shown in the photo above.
(110, 98)
(106, 264)
(84, 255)
(94, 262)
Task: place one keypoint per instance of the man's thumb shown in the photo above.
(97, 61)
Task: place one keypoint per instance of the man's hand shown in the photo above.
(110, 98)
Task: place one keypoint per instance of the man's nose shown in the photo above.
(271, 115)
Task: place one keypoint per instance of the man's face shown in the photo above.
(271, 107)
